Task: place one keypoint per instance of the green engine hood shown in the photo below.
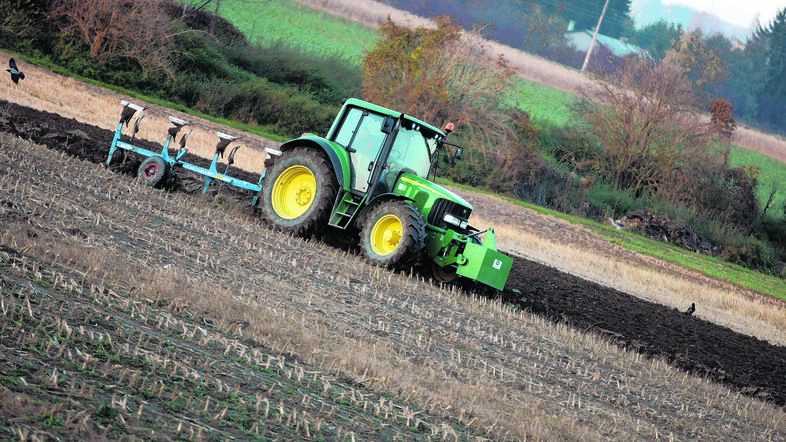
(425, 193)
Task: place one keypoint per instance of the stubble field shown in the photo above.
(133, 313)
(129, 312)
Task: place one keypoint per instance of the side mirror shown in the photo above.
(457, 157)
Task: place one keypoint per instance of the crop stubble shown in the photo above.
(157, 304)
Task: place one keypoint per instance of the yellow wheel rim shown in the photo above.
(293, 192)
(386, 235)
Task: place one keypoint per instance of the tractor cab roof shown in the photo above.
(408, 121)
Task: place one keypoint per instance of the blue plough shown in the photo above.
(159, 167)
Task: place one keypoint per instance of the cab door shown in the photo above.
(362, 134)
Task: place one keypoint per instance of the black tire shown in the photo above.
(298, 192)
(393, 235)
(443, 274)
(154, 171)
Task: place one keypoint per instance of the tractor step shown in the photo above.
(345, 209)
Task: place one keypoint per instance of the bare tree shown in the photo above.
(646, 128)
(135, 29)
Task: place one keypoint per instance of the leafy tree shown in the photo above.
(747, 69)
(721, 115)
(657, 38)
(545, 33)
(701, 64)
(772, 95)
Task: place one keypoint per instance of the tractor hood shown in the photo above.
(417, 188)
(433, 201)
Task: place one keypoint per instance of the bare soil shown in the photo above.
(744, 363)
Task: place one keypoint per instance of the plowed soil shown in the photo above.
(746, 364)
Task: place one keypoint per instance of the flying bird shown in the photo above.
(16, 74)
(691, 309)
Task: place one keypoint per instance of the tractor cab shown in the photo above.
(382, 145)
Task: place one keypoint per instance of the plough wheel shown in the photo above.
(154, 171)
(298, 192)
(393, 235)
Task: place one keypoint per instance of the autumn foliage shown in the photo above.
(722, 117)
(446, 74)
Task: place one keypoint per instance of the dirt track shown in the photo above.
(744, 363)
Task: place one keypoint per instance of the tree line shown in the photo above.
(747, 74)
(639, 149)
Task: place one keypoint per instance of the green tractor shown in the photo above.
(368, 182)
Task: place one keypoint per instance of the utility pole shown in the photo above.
(594, 36)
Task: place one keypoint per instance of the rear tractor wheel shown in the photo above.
(393, 235)
(298, 192)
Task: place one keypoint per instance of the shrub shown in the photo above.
(328, 79)
(197, 56)
(199, 19)
(20, 23)
(567, 146)
(728, 194)
(615, 203)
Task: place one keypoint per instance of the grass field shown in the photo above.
(267, 22)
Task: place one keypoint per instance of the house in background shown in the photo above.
(581, 40)
(607, 54)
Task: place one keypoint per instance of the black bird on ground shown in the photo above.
(691, 309)
(16, 74)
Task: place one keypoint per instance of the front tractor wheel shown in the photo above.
(298, 192)
(154, 171)
(393, 235)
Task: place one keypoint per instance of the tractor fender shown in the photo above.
(338, 156)
(377, 199)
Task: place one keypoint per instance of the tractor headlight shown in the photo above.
(456, 221)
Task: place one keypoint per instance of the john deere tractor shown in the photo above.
(368, 180)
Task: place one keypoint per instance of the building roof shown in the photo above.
(581, 41)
